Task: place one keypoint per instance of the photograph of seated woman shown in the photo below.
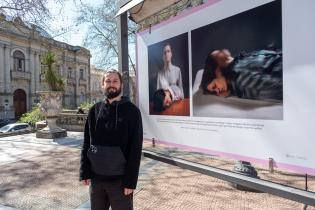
(169, 88)
(168, 71)
(253, 75)
(169, 75)
(163, 99)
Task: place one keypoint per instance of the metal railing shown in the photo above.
(291, 193)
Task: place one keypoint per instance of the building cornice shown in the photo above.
(78, 50)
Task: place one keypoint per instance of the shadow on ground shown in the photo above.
(48, 181)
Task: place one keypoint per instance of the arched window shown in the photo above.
(19, 61)
(82, 97)
(82, 74)
(69, 72)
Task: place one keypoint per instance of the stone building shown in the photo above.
(96, 84)
(21, 47)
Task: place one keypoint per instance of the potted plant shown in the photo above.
(51, 100)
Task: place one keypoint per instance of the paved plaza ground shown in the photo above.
(42, 174)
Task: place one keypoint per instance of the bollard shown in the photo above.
(271, 164)
(153, 142)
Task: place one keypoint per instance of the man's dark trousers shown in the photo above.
(105, 194)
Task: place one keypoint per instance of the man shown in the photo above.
(170, 74)
(165, 98)
(111, 151)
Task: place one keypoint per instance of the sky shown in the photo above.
(64, 18)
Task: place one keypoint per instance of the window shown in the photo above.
(69, 72)
(19, 127)
(81, 73)
(24, 126)
(19, 61)
(59, 69)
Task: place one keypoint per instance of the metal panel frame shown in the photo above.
(291, 193)
(123, 62)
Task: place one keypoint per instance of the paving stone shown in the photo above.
(44, 175)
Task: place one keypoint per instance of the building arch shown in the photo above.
(19, 102)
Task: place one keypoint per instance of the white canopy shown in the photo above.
(141, 9)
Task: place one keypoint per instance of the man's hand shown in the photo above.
(86, 182)
(128, 191)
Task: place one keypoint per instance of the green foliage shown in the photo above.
(86, 105)
(54, 80)
(32, 116)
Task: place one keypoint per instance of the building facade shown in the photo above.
(96, 84)
(21, 47)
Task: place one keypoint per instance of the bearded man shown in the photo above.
(111, 151)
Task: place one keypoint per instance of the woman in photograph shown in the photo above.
(170, 75)
(254, 75)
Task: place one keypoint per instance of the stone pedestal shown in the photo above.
(50, 106)
(40, 124)
(51, 131)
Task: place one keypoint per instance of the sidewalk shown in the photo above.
(282, 177)
(41, 174)
(175, 188)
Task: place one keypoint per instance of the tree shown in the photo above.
(54, 80)
(32, 10)
(102, 35)
(34, 13)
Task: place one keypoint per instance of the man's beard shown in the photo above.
(112, 94)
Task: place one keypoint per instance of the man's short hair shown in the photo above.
(112, 71)
(158, 100)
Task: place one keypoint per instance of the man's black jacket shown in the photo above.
(115, 124)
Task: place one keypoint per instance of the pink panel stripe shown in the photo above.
(261, 162)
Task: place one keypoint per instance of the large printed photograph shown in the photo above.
(237, 65)
(169, 77)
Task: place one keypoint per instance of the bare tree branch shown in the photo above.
(30, 12)
(102, 33)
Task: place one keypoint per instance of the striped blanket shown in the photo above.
(257, 75)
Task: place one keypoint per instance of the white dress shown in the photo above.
(176, 93)
(169, 77)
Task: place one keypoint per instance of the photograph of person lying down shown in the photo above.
(164, 98)
(169, 77)
(253, 75)
(240, 74)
